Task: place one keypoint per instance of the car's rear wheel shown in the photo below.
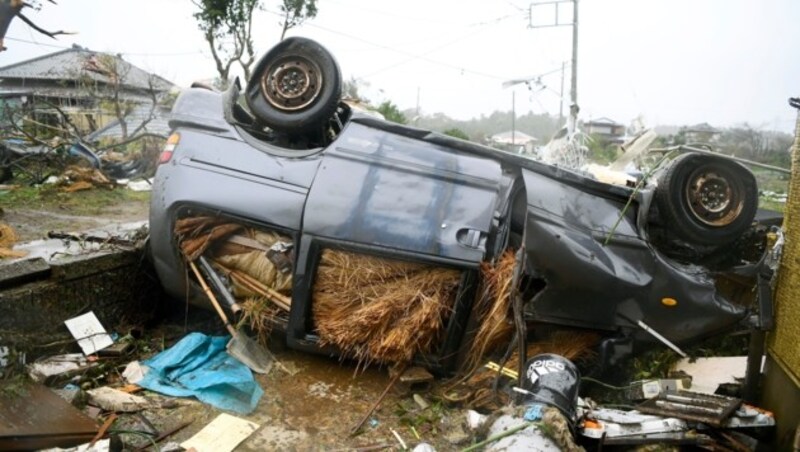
(707, 200)
(295, 87)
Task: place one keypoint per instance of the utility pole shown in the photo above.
(513, 119)
(561, 96)
(573, 94)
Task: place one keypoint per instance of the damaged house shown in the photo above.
(77, 91)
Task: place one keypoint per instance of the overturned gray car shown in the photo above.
(678, 256)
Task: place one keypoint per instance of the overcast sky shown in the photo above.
(672, 61)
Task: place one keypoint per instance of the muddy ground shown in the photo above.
(313, 406)
(34, 212)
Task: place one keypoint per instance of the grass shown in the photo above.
(82, 203)
(771, 181)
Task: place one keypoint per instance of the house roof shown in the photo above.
(519, 138)
(603, 121)
(157, 124)
(75, 62)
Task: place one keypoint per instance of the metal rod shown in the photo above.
(661, 338)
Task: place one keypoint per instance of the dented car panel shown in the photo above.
(603, 273)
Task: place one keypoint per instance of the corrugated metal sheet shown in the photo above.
(784, 341)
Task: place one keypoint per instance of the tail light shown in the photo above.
(169, 148)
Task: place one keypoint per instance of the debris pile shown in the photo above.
(477, 389)
(79, 178)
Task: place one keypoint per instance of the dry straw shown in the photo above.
(381, 310)
(492, 310)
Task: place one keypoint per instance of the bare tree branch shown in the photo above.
(51, 34)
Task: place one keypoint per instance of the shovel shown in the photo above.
(241, 347)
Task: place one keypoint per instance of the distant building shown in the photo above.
(515, 141)
(65, 90)
(700, 133)
(605, 129)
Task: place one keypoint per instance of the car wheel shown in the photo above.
(707, 200)
(295, 87)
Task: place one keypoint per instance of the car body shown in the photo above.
(386, 189)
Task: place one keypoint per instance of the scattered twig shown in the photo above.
(103, 429)
(374, 407)
(498, 436)
(399, 439)
(167, 433)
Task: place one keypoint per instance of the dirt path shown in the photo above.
(32, 221)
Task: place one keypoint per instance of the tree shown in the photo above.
(295, 12)
(224, 21)
(10, 9)
(391, 112)
(457, 133)
(110, 96)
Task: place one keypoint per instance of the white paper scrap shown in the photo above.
(89, 332)
(223, 434)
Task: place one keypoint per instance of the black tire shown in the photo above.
(706, 200)
(295, 87)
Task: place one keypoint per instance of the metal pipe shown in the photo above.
(686, 148)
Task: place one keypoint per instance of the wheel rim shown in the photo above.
(292, 83)
(714, 197)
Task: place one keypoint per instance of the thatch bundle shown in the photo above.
(8, 237)
(255, 263)
(260, 316)
(492, 309)
(77, 178)
(238, 253)
(382, 310)
(196, 234)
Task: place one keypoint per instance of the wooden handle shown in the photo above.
(213, 299)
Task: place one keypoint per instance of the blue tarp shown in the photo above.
(199, 366)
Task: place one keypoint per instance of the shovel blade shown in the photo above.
(250, 353)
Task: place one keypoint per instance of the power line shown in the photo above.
(462, 69)
(433, 50)
(196, 52)
(37, 43)
(419, 18)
